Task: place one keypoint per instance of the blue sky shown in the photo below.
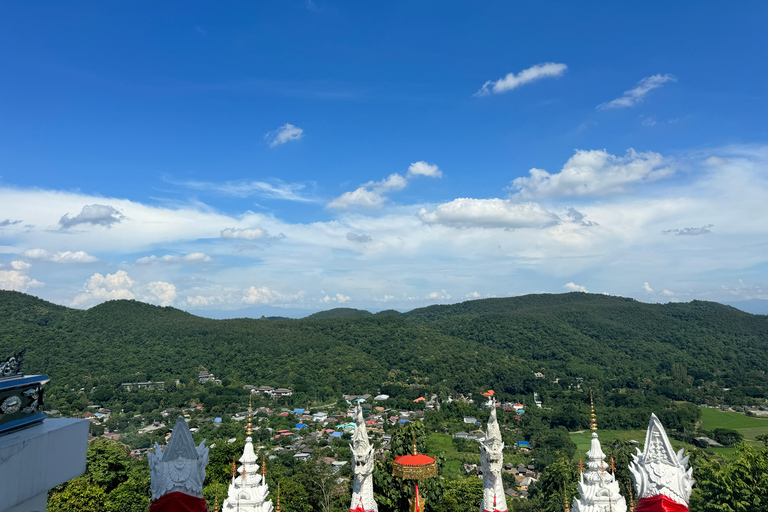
(300, 155)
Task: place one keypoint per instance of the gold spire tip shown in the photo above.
(592, 419)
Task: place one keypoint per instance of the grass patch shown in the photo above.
(437, 443)
(747, 426)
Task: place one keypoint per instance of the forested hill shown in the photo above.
(495, 343)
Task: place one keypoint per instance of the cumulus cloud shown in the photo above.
(512, 81)
(161, 293)
(424, 169)
(264, 295)
(60, 257)
(361, 239)
(99, 288)
(647, 287)
(667, 293)
(372, 195)
(8, 222)
(441, 295)
(573, 287)
(243, 233)
(634, 96)
(594, 173)
(193, 257)
(703, 230)
(285, 133)
(17, 279)
(489, 213)
(339, 298)
(573, 215)
(96, 214)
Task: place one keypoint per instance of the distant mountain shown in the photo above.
(340, 313)
(754, 306)
(497, 343)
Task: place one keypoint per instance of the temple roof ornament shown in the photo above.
(11, 367)
(598, 488)
(178, 472)
(663, 480)
(362, 465)
(492, 459)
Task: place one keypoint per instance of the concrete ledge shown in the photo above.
(38, 458)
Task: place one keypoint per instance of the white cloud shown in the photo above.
(20, 265)
(9, 222)
(489, 213)
(162, 292)
(96, 214)
(647, 287)
(339, 298)
(99, 288)
(285, 133)
(244, 233)
(511, 81)
(667, 293)
(264, 295)
(573, 287)
(372, 195)
(60, 257)
(634, 96)
(275, 190)
(441, 295)
(594, 173)
(17, 279)
(424, 169)
(193, 257)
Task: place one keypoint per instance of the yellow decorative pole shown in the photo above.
(592, 420)
(581, 465)
(249, 427)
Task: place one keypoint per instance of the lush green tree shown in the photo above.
(550, 491)
(80, 494)
(740, 485)
(726, 436)
(461, 495)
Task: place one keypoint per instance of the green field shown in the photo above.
(711, 419)
(437, 443)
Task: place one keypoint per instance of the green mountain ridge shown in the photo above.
(497, 343)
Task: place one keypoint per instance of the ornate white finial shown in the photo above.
(362, 465)
(492, 459)
(180, 467)
(658, 470)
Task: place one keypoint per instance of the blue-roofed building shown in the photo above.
(298, 411)
(523, 444)
(300, 425)
(336, 434)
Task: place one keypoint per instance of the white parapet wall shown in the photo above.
(38, 458)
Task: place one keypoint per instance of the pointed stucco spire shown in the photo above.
(660, 473)
(180, 467)
(248, 492)
(598, 489)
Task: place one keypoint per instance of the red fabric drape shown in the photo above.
(178, 502)
(659, 503)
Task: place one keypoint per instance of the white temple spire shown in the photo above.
(248, 490)
(598, 488)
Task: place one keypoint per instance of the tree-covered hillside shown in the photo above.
(497, 343)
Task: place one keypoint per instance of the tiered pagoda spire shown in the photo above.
(598, 488)
(248, 490)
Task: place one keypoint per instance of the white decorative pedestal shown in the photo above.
(36, 459)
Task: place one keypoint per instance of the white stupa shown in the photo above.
(598, 488)
(248, 490)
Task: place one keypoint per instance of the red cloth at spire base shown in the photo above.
(659, 503)
(178, 502)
